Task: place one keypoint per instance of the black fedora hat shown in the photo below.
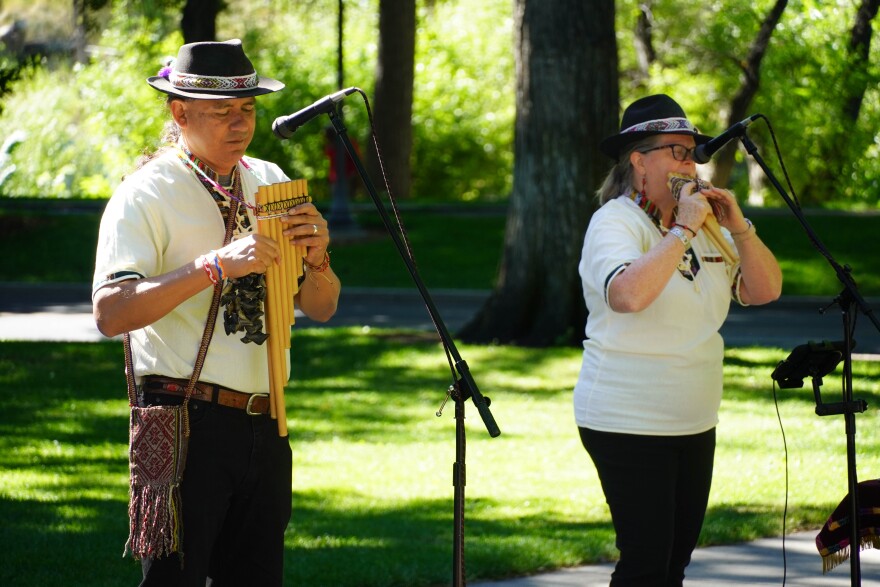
(213, 71)
(652, 115)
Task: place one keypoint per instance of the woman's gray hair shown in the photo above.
(620, 179)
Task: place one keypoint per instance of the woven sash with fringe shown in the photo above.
(158, 438)
(157, 457)
(833, 540)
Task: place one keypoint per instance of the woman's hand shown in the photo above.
(693, 207)
(726, 209)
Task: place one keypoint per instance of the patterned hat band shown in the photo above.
(662, 125)
(189, 81)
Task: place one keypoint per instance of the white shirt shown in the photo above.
(658, 371)
(160, 218)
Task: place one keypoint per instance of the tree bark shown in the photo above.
(837, 147)
(859, 51)
(566, 102)
(199, 20)
(79, 31)
(392, 107)
(741, 102)
(644, 41)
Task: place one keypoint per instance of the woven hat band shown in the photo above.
(662, 125)
(190, 81)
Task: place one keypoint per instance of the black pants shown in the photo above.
(657, 488)
(236, 502)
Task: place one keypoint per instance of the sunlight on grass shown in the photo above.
(751, 458)
(372, 488)
(804, 278)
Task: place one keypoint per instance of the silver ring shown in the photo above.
(315, 226)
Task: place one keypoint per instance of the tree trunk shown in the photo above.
(392, 107)
(199, 20)
(837, 148)
(643, 39)
(741, 102)
(859, 52)
(79, 31)
(566, 101)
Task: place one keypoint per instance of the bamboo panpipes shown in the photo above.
(710, 224)
(282, 284)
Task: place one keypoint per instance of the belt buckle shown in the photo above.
(247, 408)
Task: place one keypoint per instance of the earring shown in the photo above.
(644, 182)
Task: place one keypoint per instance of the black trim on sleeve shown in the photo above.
(123, 275)
(611, 276)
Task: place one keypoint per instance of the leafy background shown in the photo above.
(75, 130)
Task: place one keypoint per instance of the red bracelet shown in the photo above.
(206, 264)
(319, 268)
(687, 228)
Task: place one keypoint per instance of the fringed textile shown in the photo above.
(157, 458)
(833, 540)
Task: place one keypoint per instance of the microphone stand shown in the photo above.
(464, 386)
(849, 301)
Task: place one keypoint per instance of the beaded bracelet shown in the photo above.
(206, 264)
(687, 228)
(319, 268)
(219, 265)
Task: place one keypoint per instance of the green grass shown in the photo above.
(372, 488)
(460, 251)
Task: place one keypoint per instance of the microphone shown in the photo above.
(285, 126)
(703, 153)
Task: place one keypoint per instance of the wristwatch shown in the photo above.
(682, 236)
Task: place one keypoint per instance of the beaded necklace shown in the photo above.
(649, 207)
(243, 296)
(202, 169)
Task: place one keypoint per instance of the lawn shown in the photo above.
(372, 490)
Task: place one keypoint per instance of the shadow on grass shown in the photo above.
(381, 382)
(63, 493)
(411, 545)
(750, 370)
(749, 521)
(63, 470)
(73, 542)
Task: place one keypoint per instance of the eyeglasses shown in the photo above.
(679, 152)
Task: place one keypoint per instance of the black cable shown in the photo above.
(785, 508)
(397, 217)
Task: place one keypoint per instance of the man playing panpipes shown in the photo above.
(160, 256)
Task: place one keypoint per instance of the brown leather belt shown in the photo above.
(254, 404)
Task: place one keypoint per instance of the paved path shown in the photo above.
(63, 312)
(753, 563)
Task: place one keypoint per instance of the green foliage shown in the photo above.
(463, 109)
(463, 99)
(67, 257)
(700, 48)
(101, 116)
(808, 117)
(84, 125)
(297, 44)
